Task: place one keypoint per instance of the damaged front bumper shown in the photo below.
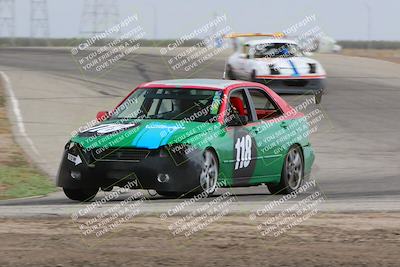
(156, 169)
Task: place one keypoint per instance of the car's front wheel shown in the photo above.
(292, 172)
(169, 194)
(207, 179)
(81, 194)
(318, 96)
(209, 172)
(229, 73)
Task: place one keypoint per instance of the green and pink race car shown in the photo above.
(190, 136)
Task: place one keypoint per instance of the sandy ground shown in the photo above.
(367, 239)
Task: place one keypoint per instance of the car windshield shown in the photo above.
(275, 50)
(170, 104)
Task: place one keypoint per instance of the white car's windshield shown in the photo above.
(275, 50)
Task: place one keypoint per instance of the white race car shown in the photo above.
(276, 62)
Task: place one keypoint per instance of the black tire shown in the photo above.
(253, 76)
(285, 186)
(169, 194)
(318, 96)
(81, 194)
(229, 73)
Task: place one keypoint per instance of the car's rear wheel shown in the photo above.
(229, 72)
(209, 172)
(318, 96)
(292, 172)
(81, 194)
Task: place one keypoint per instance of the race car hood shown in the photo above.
(288, 66)
(146, 134)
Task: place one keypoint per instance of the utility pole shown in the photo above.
(98, 16)
(39, 19)
(368, 7)
(7, 19)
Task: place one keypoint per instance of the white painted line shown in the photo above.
(18, 115)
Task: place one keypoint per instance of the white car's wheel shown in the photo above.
(318, 96)
(253, 76)
(229, 73)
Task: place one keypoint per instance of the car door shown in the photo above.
(269, 132)
(241, 148)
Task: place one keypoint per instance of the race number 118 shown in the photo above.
(243, 152)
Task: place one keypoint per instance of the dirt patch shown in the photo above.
(3, 187)
(323, 240)
(383, 54)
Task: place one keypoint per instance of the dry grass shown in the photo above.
(18, 178)
(392, 55)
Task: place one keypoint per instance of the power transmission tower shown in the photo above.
(7, 18)
(98, 16)
(39, 19)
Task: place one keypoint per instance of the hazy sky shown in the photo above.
(342, 19)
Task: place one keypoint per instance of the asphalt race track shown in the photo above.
(357, 144)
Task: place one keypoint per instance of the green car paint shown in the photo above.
(246, 154)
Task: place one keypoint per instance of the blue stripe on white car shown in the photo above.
(295, 71)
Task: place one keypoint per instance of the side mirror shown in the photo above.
(243, 119)
(239, 120)
(102, 115)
